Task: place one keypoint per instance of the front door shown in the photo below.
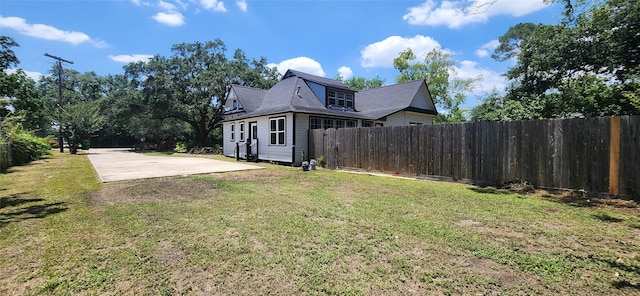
(253, 138)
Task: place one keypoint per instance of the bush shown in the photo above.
(180, 148)
(26, 147)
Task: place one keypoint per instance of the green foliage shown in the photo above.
(180, 148)
(587, 65)
(79, 122)
(191, 85)
(33, 109)
(25, 147)
(448, 92)
(361, 83)
(7, 56)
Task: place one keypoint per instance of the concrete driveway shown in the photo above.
(118, 164)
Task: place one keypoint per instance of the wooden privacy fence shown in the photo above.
(595, 154)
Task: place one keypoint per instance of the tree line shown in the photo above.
(585, 65)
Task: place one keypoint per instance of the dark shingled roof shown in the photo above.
(292, 94)
(317, 79)
(250, 98)
(386, 100)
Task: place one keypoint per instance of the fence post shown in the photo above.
(614, 156)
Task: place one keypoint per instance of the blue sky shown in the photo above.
(321, 37)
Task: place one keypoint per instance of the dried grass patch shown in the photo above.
(152, 190)
(252, 175)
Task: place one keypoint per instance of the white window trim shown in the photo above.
(278, 132)
(233, 132)
(241, 131)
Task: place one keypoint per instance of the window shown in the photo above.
(349, 100)
(233, 132)
(340, 99)
(328, 123)
(331, 98)
(315, 123)
(415, 123)
(254, 131)
(241, 131)
(325, 123)
(276, 131)
(366, 123)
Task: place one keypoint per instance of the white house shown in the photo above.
(272, 125)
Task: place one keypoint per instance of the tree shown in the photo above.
(191, 85)
(7, 81)
(33, 109)
(7, 56)
(438, 69)
(361, 83)
(76, 114)
(78, 122)
(587, 65)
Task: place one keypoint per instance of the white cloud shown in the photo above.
(130, 58)
(47, 32)
(486, 49)
(303, 64)
(345, 72)
(31, 74)
(458, 13)
(174, 19)
(489, 80)
(242, 4)
(166, 6)
(382, 53)
(140, 3)
(214, 5)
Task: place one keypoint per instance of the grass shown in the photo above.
(284, 231)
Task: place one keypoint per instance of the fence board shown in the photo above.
(630, 155)
(558, 153)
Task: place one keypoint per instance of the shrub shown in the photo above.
(180, 148)
(26, 147)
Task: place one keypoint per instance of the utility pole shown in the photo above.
(59, 61)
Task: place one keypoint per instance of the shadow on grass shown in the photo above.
(624, 283)
(490, 190)
(16, 208)
(604, 217)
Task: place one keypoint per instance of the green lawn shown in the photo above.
(284, 231)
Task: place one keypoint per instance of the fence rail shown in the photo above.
(595, 154)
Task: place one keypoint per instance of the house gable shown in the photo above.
(383, 101)
(422, 99)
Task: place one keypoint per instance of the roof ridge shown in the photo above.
(393, 85)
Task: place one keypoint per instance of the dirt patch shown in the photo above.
(252, 175)
(505, 276)
(152, 190)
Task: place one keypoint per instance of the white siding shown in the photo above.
(407, 117)
(266, 151)
(302, 138)
(422, 100)
(228, 147)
